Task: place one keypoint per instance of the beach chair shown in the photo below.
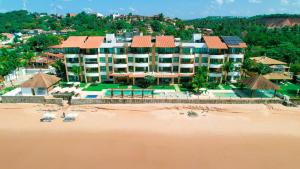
(70, 117)
(47, 117)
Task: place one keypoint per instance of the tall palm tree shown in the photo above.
(227, 67)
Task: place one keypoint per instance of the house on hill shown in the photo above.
(280, 70)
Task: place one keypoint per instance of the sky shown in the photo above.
(184, 9)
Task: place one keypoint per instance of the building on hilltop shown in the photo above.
(100, 59)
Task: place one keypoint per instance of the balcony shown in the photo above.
(165, 64)
(215, 65)
(140, 55)
(164, 56)
(71, 55)
(141, 64)
(236, 56)
(91, 65)
(120, 65)
(90, 56)
(215, 74)
(187, 65)
(217, 56)
(92, 74)
(187, 56)
(120, 56)
(72, 64)
(186, 74)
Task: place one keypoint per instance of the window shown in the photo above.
(176, 59)
(197, 59)
(103, 68)
(204, 59)
(130, 59)
(102, 50)
(102, 60)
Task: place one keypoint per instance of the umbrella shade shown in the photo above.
(259, 82)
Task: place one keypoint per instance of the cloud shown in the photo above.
(284, 2)
(255, 1)
(219, 2)
(24, 4)
(132, 9)
(88, 10)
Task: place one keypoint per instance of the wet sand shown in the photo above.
(151, 137)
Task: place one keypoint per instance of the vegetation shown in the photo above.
(278, 43)
(199, 80)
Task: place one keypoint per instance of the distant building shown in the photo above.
(70, 15)
(8, 38)
(168, 59)
(280, 70)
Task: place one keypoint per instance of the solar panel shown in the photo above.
(232, 40)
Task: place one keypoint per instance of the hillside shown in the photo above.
(279, 22)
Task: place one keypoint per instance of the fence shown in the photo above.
(31, 99)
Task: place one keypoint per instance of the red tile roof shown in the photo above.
(74, 42)
(165, 42)
(141, 42)
(8, 35)
(214, 42)
(93, 42)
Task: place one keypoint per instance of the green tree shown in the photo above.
(227, 67)
(77, 70)
(41, 42)
(60, 68)
(149, 80)
(199, 80)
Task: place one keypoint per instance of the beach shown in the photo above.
(157, 136)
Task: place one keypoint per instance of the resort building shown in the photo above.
(100, 59)
(279, 69)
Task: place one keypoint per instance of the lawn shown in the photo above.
(224, 87)
(289, 89)
(5, 90)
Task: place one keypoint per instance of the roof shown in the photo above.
(74, 42)
(8, 35)
(58, 55)
(165, 42)
(259, 82)
(41, 80)
(56, 46)
(93, 42)
(214, 42)
(234, 42)
(267, 61)
(141, 42)
(277, 76)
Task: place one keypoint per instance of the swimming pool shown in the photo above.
(129, 92)
(226, 95)
(91, 96)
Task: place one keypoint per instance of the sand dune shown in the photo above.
(151, 137)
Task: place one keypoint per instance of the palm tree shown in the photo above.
(77, 70)
(227, 67)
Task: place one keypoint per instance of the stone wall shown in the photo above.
(296, 101)
(175, 101)
(31, 99)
